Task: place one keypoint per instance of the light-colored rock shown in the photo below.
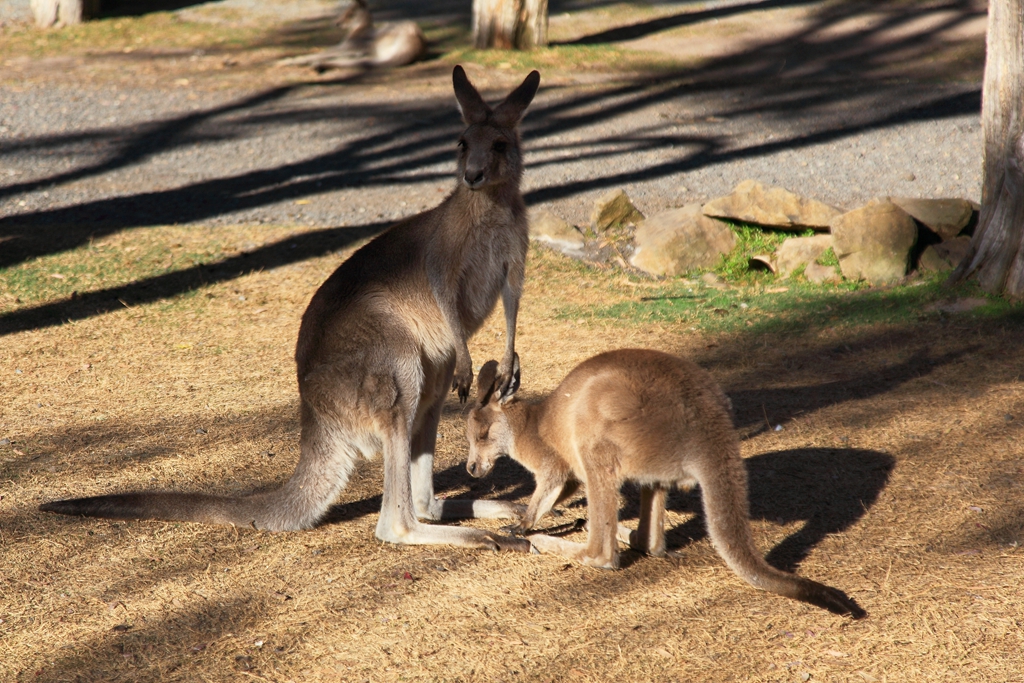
(799, 251)
(673, 242)
(944, 217)
(819, 274)
(549, 229)
(612, 209)
(873, 242)
(752, 202)
(945, 255)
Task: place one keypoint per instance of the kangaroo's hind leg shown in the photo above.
(398, 522)
(421, 466)
(650, 534)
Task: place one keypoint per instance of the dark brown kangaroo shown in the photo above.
(642, 416)
(380, 344)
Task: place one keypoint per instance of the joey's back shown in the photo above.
(638, 401)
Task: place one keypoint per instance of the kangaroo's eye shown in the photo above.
(500, 146)
(462, 144)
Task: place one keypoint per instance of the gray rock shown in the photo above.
(873, 242)
(675, 241)
(944, 217)
(613, 209)
(819, 274)
(799, 251)
(776, 207)
(549, 229)
(943, 256)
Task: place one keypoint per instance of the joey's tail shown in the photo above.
(726, 509)
(324, 466)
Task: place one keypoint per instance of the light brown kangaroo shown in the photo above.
(641, 416)
(367, 44)
(380, 344)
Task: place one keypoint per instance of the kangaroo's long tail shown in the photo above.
(183, 507)
(324, 466)
(726, 509)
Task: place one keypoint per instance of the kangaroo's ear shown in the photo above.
(485, 382)
(473, 107)
(510, 112)
(513, 385)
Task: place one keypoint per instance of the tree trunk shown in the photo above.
(63, 12)
(996, 258)
(510, 24)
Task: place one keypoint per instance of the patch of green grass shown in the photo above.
(791, 309)
(162, 30)
(752, 240)
(107, 263)
(828, 258)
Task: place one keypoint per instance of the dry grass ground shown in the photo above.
(897, 475)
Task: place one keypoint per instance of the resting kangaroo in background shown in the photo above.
(367, 45)
(635, 415)
(380, 344)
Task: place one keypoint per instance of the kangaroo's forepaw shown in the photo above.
(509, 377)
(462, 383)
(517, 530)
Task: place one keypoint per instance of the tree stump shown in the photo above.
(510, 24)
(63, 12)
(996, 257)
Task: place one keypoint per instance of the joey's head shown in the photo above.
(490, 152)
(487, 426)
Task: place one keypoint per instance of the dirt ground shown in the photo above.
(886, 460)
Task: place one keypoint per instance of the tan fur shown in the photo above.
(385, 45)
(632, 415)
(381, 343)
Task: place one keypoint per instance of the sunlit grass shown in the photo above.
(163, 30)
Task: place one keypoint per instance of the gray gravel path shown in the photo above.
(81, 161)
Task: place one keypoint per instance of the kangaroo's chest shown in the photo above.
(484, 272)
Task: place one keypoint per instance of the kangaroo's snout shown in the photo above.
(474, 178)
(477, 469)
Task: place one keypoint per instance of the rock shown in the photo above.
(945, 255)
(873, 242)
(819, 274)
(613, 209)
(549, 229)
(673, 242)
(752, 202)
(945, 217)
(799, 251)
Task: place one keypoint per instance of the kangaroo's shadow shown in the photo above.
(507, 481)
(828, 489)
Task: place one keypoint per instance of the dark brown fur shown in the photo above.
(632, 415)
(380, 344)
